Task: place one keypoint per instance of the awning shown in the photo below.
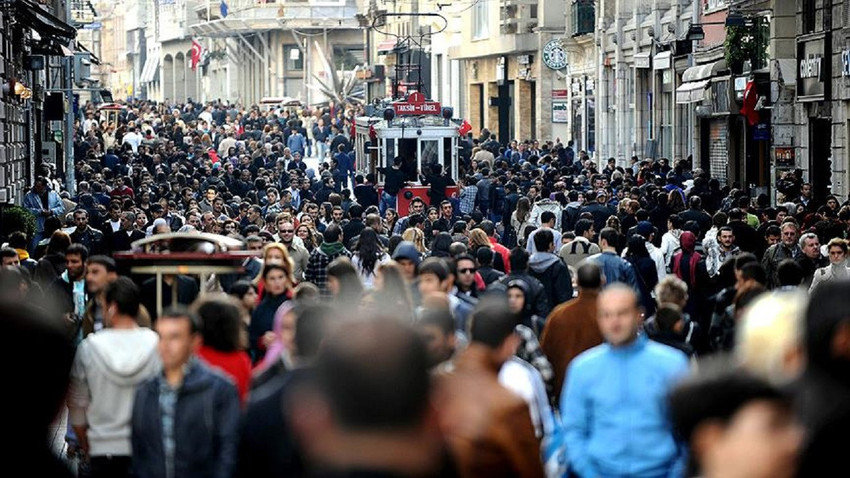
(691, 92)
(92, 58)
(51, 48)
(662, 61)
(149, 70)
(642, 60)
(702, 72)
(32, 15)
(386, 45)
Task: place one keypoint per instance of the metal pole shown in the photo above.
(68, 140)
(70, 180)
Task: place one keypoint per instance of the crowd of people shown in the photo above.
(553, 317)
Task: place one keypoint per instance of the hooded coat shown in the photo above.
(108, 368)
(553, 274)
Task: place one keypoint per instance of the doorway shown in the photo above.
(820, 157)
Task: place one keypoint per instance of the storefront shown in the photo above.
(814, 96)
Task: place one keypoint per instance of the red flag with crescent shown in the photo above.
(197, 49)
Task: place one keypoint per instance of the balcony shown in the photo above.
(254, 16)
(583, 17)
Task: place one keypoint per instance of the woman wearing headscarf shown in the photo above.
(645, 270)
(278, 281)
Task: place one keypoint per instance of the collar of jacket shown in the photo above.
(477, 358)
(197, 377)
(632, 348)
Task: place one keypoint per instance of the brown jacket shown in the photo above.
(143, 318)
(571, 328)
(488, 427)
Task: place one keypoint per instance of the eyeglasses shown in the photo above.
(466, 271)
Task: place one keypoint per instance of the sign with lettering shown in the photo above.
(416, 105)
(813, 69)
(845, 63)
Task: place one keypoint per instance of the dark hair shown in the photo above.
(181, 312)
(240, 288)
(46, 379)
(582, 226)
(332, 233)
(368, 249)
(107, 262)
(350, 286)
(221, 323)
(374, 375)
(438, 317)
(543, 238)
(518, 259)
(441, 244)
(125, 294)
(829, 306)
(488, 227)
(8, 252)
(492, 322)
(715, 395)
(789, 273)
(743, 259)
(547, 216)
(311, 326)
(436, 266)
(754, 271)
(59, 241)
(77, 250)
(18, 240)
(637, 247)
(666, 317)
(589, 275)
(484, 256)
(610, 235)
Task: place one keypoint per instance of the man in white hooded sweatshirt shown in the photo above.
(108, 367)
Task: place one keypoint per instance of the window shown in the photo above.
(583, 17)
(715, 4)
(809, 15)
(480, 20)
(293, 57)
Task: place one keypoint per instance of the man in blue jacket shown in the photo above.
(614, 402)
(43, 203)
(186, 418)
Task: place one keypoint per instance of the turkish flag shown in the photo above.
(196, 54)
(464, 128)
(750, 99)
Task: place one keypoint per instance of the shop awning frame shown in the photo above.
(149, 70)
(40, 20)
(691, 92)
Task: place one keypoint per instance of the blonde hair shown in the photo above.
(287, 263)
(417, 237)
(769, 338)
(478, 238)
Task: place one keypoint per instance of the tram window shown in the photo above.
(430, 155)
(407, 151)
(447, 154)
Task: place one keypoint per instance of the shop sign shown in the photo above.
(784, 157)
(560, 94)
(560, 112)
(642, 60)
(761, 132)
(813, 70)
(845, 63)
(554, 55)
(416, 105)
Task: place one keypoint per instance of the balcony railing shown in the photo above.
(583, 17)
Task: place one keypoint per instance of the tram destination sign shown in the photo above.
(416, 104)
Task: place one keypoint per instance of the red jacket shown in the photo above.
(504, 252)
(236, 365)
